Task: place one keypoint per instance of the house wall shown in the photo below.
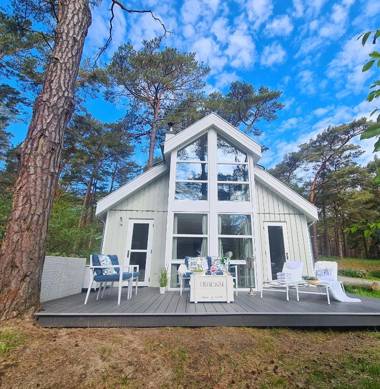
(272, 208)
(150, 202)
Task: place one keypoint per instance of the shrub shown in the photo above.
(353, 273)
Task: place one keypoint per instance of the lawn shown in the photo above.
(187, 358)
(368, 265)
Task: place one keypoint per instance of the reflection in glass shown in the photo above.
(196, 151)
(140, 236)
(241, 248)
(191, 171)
(190, 191)
(139, 258)
(192, 247)
(233, 192)
(187, 223)
(232, 172)
(234, 225)
(228, 153)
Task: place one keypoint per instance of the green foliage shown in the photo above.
(353, 273)
(65, 237)
(362, 291)
(242, 105)
(373, 130)
(163, 278)
(10, 339)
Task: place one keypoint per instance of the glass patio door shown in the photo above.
(277, 247)
(139, 250)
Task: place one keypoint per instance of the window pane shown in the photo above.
(241, 248)
(174, 281)
(196, 151)
(229, 153)
(232, 172)
(234, 225)
(190, 191)
(192, 247)
(194, 224)
(191, 171)
(233, 192)
(140, 236)
(139, 259)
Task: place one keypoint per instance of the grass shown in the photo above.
(362, 291)
(10, 339)
(369, 265)
(368, 275)
(188, 358)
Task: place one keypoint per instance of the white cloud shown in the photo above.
(322, 111)
(241, 49)
(259, 11)
(225, 79)
(208, 51)
(346, 68)
(273, 54)
(298, 8)
(280, 26)
(220, 29)
(307, 82)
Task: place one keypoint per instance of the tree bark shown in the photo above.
(23, 249)
(153, 134)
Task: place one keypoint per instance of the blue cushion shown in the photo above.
(187, 274)
(96, 262)
(135, 274)
(112, 277)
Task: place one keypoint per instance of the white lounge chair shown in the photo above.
(292, 271)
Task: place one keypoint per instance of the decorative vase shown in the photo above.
(162, 289)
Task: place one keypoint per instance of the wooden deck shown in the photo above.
(150, 309)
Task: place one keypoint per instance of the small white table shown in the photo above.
(211, 288)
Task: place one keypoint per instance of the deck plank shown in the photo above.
(149, 308)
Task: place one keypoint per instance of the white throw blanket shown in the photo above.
(337, 292)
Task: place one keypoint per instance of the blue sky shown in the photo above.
(306, 49)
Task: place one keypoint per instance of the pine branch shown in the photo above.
(128, 10)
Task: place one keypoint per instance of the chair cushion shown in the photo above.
(112, 277)
(105, 260)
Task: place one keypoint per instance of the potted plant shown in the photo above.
(163, 280)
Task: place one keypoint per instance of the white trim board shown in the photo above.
(126, 190)
(296, 200)
(261, 175)
(213, 120)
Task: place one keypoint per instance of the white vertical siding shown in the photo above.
(150, 202)
(272, 208)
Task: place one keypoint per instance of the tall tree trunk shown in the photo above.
(153, 134)
(86, 202)
(23, 249)
(326, 248)
(314, 229)
(365, 245)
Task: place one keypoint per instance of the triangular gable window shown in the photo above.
(192, 171)
(196, 151)
(232, 168)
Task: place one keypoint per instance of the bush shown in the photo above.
(353, 273)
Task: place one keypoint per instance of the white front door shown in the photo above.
(139, 247)
(277, 247)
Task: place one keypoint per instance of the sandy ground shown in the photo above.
(187, 358)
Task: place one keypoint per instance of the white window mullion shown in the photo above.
(213, 193)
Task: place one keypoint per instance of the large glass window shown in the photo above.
(232, 168)
(192, 171)
(235, 241)
(189, 239)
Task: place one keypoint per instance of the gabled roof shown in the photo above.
(126, 190)
(230, 132)
(282, 190)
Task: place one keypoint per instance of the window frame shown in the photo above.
(224, 182)
(203, 236)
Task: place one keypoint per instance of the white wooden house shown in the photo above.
(209, 197)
